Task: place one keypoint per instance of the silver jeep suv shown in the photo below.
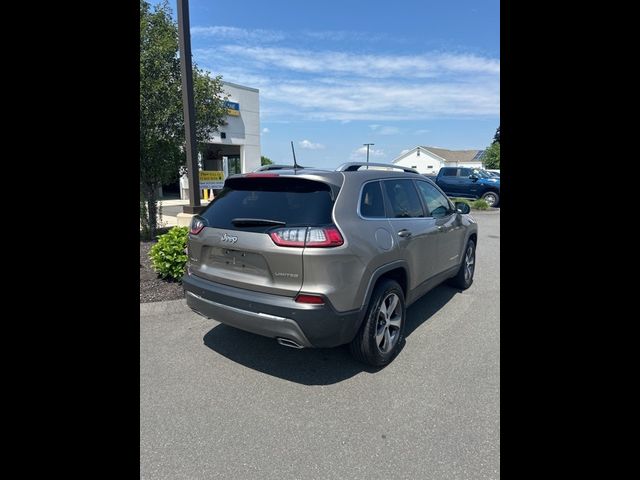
(318, 258)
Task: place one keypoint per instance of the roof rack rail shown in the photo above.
(354, 166)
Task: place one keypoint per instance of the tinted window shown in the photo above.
(372, 203)
(448, 172)
(403, 198)
(295, 201)
(465, 172)
(481, 173)
(437, 204)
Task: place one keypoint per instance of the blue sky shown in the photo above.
(336, 74)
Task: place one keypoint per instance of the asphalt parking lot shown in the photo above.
(216, 402)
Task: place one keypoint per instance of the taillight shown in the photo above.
(289, 237)
(196, 226)
(313, 299)
(307, 237)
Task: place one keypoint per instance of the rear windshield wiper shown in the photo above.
(256, 221)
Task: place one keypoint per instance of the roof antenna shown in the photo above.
(295, 164)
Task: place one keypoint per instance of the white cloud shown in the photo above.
(382, 130)
(422, 131)
(373, 66)
(341, 86)
(262, 35)
(360, 153)
(367, 100)
(235, 33)
(310, 145)
(265, 130)
(343, 35)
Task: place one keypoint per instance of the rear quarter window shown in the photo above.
(372, 201)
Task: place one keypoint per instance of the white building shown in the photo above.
(236, 144)
(429, 160)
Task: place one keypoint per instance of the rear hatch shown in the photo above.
(255, 231)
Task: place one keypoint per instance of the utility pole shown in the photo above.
(186, 71)
(367, 145)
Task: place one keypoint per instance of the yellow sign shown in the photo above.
(212, 179)
(211, 175)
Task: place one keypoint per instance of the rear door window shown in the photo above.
(403, 199)
(294, 201)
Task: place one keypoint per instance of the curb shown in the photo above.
(492, 211)
(166, 307)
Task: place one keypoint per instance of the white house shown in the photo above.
(429, 160)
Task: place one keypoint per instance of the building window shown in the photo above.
(234, 165)
(428, 166)
(414, 166)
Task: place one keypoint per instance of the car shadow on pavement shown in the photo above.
(422, 310)
(311, 366)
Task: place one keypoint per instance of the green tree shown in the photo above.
(162, 136)
(265, 161)
(496, 137)
(491, 156)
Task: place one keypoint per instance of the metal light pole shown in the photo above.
(367, 145)
(186, 70)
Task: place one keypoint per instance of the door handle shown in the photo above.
(404, 233)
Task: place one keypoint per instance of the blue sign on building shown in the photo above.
(233, 108)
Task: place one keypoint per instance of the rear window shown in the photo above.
(294, 201)
(448, 172)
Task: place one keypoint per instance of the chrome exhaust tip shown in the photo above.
(288, 343)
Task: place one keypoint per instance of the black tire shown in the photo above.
(461, 280)
(496, 203)
(365, 346)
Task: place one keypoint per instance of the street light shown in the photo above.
(367, 145)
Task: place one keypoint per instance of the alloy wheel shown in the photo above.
(469, 263)
(389, 323)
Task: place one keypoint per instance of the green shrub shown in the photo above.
(167, 256)
(480, 204)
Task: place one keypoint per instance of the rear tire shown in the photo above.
(380, 336)
(464, 277)
(492, 198)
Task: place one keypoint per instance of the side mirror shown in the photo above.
(473, 177)
(462, 207)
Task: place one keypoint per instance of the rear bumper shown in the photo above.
(271, 315)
